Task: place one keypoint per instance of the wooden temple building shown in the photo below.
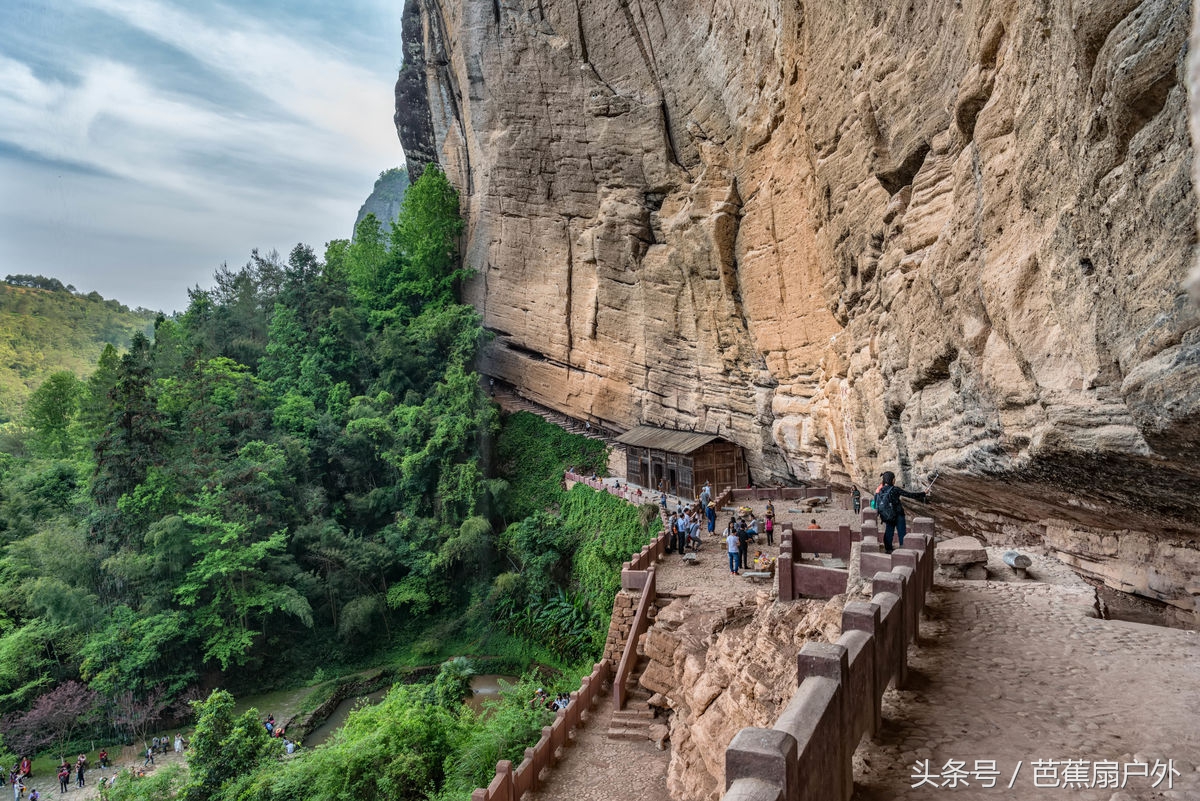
(682, 460)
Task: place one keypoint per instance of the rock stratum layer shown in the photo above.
(922, 236)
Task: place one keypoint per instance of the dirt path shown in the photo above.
(1016, 672)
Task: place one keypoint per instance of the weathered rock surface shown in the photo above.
(934, 235)
(721, 669)
(385, 198)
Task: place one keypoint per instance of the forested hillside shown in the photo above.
(298, 475)
(46, 327)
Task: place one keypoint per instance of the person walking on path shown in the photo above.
(64, 776)
(734, 546)
(890, 510)
(79, 770)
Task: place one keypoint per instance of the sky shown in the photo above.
(144, 143)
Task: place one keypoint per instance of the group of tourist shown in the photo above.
(66, 769)
(542, 699)
(17, 776)
(276, 730)
(738, 536)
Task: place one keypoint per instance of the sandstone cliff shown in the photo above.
(943, 235)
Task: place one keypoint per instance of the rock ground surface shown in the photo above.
(129, 758)
(1017, 671)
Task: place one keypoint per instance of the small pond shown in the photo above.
(486, 687)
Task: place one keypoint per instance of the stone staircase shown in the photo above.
(634, 721)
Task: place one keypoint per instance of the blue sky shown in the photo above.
(143, 143)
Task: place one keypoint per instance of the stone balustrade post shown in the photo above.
(864, 616)
(831, 661)
(765, 754)
(893, 583)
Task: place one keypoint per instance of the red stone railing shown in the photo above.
(807, 755)
(779, 493)
(799, 579)
(509, 783)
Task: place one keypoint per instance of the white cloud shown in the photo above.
(199, 176)
(307, 80)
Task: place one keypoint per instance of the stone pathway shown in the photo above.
(596, 768)
(1017, 672)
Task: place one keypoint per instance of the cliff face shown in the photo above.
(942, 235)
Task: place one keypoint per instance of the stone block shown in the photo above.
(961, 551)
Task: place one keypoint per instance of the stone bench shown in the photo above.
(691, 558)
(962, 557)
(758, 575)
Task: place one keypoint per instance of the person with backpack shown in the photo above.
(890, 510)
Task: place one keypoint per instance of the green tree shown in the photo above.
(453, 682)
(225, 746)
(230, 591)
(52, 410)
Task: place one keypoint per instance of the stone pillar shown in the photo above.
(765, 754)
(831, 661)
(787, 578)
(864, 616)
(893, 584)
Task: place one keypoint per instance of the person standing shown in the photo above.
(744, 537)
(769, 529)
(734, 547)
(64, 776)
(855, 499)
(179, 743)
(890, 510)
(79, 771)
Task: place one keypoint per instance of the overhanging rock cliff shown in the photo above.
(925, 236)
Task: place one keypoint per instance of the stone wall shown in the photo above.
(944, 235)
(722, 669)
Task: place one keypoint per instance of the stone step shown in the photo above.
(627, 717)
(628, 734)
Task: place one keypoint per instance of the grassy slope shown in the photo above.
(43, 332)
